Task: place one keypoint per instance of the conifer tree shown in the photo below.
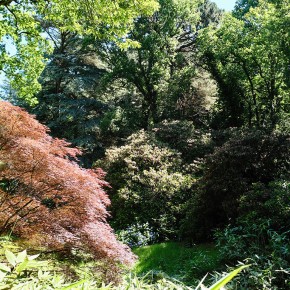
(68, 102)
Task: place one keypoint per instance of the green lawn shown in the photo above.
(176, 261)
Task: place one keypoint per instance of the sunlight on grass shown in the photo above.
(177, 261)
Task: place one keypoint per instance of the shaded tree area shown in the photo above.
(232, 171)
(162, 70)
(68, 102)
(248, 59)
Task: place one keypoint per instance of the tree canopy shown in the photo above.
(161, 70)
(248, 59)
(21, 30)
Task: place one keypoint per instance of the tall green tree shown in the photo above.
(158, 66)
(68, 101)
(243, 6)
(248, 59)
(209, 14)
(20, 29)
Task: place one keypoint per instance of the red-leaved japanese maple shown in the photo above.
(45, 196)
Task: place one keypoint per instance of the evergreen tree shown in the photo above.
(68, 102)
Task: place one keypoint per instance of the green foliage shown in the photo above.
(149, 185)
(158, 71)
(242, 7)
(194, 78)
(163, 283)
(248, 60)
(137, 235)
(182, 135)
(223, 281)
(121, 119)
(268, 251)
(209, 14)
(21, 33)
(267, 203)
(21, 27)
(23, 271)
(248, 157)
(18, 270)
(265, 242)
(68, 102)
(269, 207)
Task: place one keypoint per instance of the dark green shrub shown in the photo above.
(269, 203)
(248, 157)
(193, 143)
(261, 234)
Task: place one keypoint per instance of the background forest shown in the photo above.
(180, 115)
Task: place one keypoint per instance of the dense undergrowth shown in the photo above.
(170, 266)
(160, 267)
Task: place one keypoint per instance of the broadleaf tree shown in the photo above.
(45, 197)
(23, 45)
(153, 69)
(248, 59)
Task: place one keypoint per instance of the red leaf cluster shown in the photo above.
(45, 196)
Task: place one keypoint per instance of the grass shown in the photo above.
(177, 261)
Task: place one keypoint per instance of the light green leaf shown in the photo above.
(74, 285)
(33, 257)
(222, 282)
(22, 266)
(2, 276)
(11, 258)
(200, 285)
(21, 256)
(4, 268)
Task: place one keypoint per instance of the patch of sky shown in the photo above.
(10, 49)
(228, 5)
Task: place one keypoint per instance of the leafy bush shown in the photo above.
(263, 224)
(248, 157)
(262, 235)
(268, 204)
(184, 137)
(23, 271)
(269, 270)
(137, 235)
(149, 185)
